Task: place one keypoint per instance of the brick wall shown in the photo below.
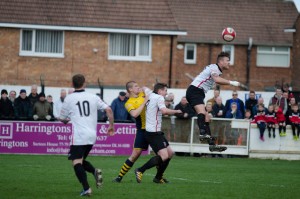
(261, 78)
(296, 58)
(80, 58)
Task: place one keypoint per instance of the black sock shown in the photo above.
(81, 175)
(154, 161)
(201, 123)
(88, 167)
(125, 167)
(280, 129)
(161, 169)
(269, 129)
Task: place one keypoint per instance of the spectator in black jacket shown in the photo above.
(22, 106)
(251, 102)
(6, 107)
(218, 108)
(187, 111)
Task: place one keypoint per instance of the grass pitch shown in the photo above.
(34, 176)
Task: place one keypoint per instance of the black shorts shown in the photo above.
(195, 96)
(157, 140)
(140, 141)
(79, 151)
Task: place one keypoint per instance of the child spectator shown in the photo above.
(271, 120)
(294, 118)
(260, 120)
(280, 120)
(247, 114)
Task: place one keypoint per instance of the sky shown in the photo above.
(297, 3)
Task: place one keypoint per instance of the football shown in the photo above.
(228, 34)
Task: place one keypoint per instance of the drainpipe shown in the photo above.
(248, 62)
(171, 62)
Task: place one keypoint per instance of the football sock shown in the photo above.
(201, 123)
(88, 167)
(126, 167)
(154, 161)
(161, 169)
(211, 141)
(81, 175)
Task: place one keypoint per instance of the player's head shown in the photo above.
(78, 81)
(223, 60)
(160, 89)
(132, 87)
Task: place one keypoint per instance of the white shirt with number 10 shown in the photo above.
(81, 107)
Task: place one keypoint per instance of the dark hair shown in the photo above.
(252, 91)
(159, 86)
(222, 55)
(129, 85)
(78, 81)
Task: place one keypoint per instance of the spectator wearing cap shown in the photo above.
(42, 110)
(118, 108)
(22, 106)
(6, 107)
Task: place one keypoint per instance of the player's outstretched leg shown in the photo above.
(124, 169)
(96, 172)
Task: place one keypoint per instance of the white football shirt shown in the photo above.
(81, 107)
(204, 80)
(153, 113)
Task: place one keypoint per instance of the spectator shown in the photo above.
(271, 120)
(278, 100)
(169, 101)
(214, 98)
(187, 111)
(33, 96)
(294, 117)
(22, 106)
(290, 105)
(209, 111)
(239, 103)
(280, 120)
(248, 114)
(42, 110)
(234, 112)
(118, 108)
(218, 108)
(259, 101)
(50, 100)
(286, 88)
(260, 120)
(251, 102)
(58, 103)
(12, 96)
(6, 107)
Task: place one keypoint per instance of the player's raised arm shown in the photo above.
(222, 81)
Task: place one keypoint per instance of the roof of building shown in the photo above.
(263, 20)
(114, 14)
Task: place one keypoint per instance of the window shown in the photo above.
(268, 56)
(44, 43)
(129, 47)
(229, 49)
(190, 52)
